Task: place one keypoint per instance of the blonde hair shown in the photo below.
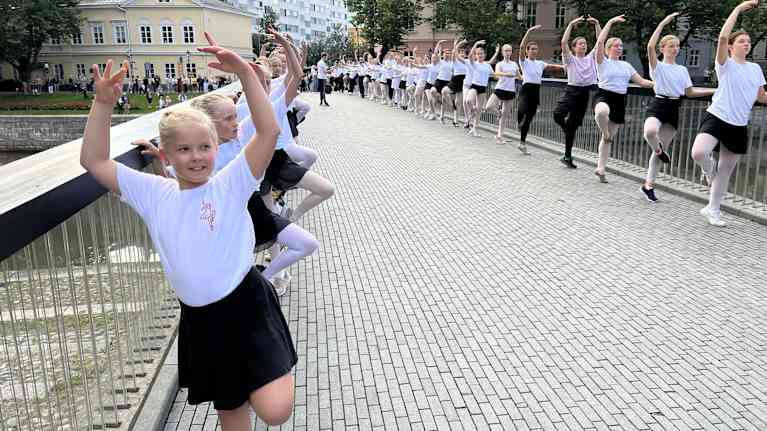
(578, 39)
(174, 120)
(668, 38)
(207, 103)
(611, 41)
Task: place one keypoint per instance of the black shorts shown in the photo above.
(402, 85)
(456, 83)
(665, 110)
(734, 138)
(231, 347)
(282, 173)
(427, 86)
(529, 98)
(388, 82)
(573, 104)
(440, 84)
(616, 102)
(480, 89)
(266, 224)
(504, 94)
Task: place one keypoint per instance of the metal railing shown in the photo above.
(748, 186)
(85, 309)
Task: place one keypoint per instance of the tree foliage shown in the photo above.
(385, 22)
(269, 20)
(495, 21)
(336, 43)
(27, 25)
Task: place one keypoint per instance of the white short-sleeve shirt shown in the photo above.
(204, 235)
(532, 71)
(671, 80)
(433, 72)
(459, 68)
(481, 74)
(615, 75)
(469, 75)
(581, 72)
(322, 70)
(738, 90)
(506, 83)
(445, 70)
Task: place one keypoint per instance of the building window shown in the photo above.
(531, 8)
(559, 17)
(97, 30)
(167, 33)
(80, 68)
(58, 71)
(146, 33)
(170, 70)
(55, 40)
(102, 67)
(191, 70)
(120, 33)
(149, 70)
(77, 38)
(693, 58)
(188, 33)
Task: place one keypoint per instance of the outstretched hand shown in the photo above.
(108, 88)
(228, 61)
(148, 148)
(671, 17)
(535, 27)
(619, 18)
(592, 20)
(748, 5)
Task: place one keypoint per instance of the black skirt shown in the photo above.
(616, 102)
(231, 347)
(266, 224)
(480, 89)
(440, 84)
(504, 94)
(665, 110)
(402, 85)
(573, 104)
(293, 122)
(427, 86)
(734, 138)
(456, 83)
(282, 173)
(529, 98)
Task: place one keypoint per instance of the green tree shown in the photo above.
(27, 24)
(269, 20)
(495, 21)
(385, 22)
(336, 43)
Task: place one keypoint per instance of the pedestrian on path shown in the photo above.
(322, 76)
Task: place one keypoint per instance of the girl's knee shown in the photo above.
(273, 403)
(698, 154)
(650, 133)
(309, 244)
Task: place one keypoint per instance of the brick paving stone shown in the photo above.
(462, 286)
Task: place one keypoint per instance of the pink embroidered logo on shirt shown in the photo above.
(208, 213)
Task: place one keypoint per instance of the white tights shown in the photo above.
(702, 153)
(656, 133)
(608, 129)
(492, 104)
(320, 189)
(300, 154)
(300, 244)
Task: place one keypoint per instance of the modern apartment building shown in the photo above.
(156, 37)
(303, 19)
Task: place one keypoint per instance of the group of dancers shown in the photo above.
(453, 80)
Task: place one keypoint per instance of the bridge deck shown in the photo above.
(461, 285)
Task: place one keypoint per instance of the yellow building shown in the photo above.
(158, 38)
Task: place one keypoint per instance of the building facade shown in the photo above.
(157, 38)
(305, 20)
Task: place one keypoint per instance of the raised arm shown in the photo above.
(94, 153)
(564, 44)
(495, 55)
(438, 47)
(295, 71)
(473, 50)
(602, 38)
(724, 35)
(523, 43)
(258, 152)
(456, 48)
(597, 29)
(652, 45)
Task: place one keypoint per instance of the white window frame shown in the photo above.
(81, 70)
(531, 6)
(77, 39)
(187, 25)
(170, 71)
(191, 70)
(58, 71)
(560, 14)
(145, 33)
(693, 58)
(56, 40)
(151, 71)
(118, 26)
(100, 26)
(170, 40)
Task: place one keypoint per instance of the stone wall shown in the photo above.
(33, 133)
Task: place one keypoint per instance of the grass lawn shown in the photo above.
(68, 104)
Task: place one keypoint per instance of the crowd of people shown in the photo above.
(453, 80)
(210, 202)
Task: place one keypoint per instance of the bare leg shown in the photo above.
(235, 420)
(273, 402)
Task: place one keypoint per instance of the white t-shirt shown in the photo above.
(532, 71)
(738, 89)
(204, 235)
(433, 72)
(469, 75)
(445, 70)
(614, 75)
(322, 70)
(507, 83)
(396, 72)
(459, 68)
(581, 72)
(481, 74)
(671, 80)
(286, 135)
(423, 74)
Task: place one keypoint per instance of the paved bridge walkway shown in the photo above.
(463, 286)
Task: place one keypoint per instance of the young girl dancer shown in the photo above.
(614, 76)
(420, 85)
(507, 72)
(672, 82)
(581, 75)
(431, 79)
(481, 72)
(444, 76)
(530, 94)
(456, 86)
(725, 125)
(201, 228)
